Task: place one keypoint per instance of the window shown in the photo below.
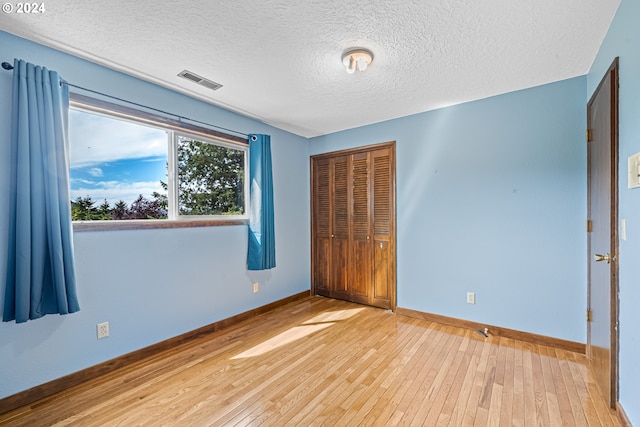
(130, 165)
(210, 177)
(118, 169)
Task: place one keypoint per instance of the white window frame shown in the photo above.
(174, 129)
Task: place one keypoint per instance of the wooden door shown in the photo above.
(322, 190)
(341, 227)
(331, 227)
(360, 262)
(383, 227)
(353, 225)
(602, 154)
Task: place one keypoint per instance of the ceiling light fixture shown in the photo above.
(357, 59)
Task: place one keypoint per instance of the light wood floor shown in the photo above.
(325, 362)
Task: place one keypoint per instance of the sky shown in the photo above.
(115, 160)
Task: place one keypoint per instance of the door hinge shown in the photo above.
(589, 135)
(589, 226)
(589, 315)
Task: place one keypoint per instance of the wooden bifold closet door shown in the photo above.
(353, 225)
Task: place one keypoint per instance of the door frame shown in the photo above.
(613, 71)
(349, 151)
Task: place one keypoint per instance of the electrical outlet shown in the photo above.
(256, 288)
(102, 330)
(471, 297)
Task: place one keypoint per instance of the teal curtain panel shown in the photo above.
(262, 244)
(40, 260)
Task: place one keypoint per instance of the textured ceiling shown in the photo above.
(280, 60)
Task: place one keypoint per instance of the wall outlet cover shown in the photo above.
(634, 171)
(102, 330)
(471, 297)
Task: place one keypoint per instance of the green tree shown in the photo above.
(143, 208)
(83, 209)
(210, 179)
(104, 210)
(162, 199)
(119, 210)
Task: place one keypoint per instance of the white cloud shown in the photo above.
(97, 139)
(113, 191)
(95, 172)
(82, 181)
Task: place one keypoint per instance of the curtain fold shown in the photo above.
(262, 246)
(40, 263)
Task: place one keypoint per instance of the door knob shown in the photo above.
(600, 258)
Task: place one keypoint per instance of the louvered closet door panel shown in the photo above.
(322, 226)
(340, 232)
(354, 225)
(361, 230)
(383, 227)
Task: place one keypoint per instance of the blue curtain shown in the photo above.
(262, 243)
(40, 267)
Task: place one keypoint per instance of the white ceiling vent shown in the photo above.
(199, 79)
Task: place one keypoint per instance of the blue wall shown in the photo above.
(491, 198)
(150, 284)
(623, 40)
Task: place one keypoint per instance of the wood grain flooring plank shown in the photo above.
(396, 384)
(414, 396)
(598, 412)
(444, 383)
(466, 351)
(506, 406)
(539, 390)
(378, 377)
(416, 413)
(462, 405)
(579, 417)
(477, 386)
(319, 361)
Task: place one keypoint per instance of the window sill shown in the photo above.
(148, 224)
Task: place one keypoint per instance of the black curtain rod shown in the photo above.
(9, 67)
